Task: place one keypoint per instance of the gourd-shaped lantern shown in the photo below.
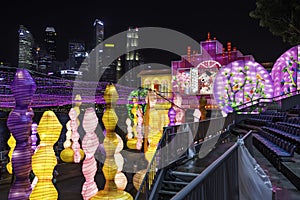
(110, 143)
(44, 159)
(19, 123)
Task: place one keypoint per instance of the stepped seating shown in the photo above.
(291, 121)
(274, 148)
(265, 117)
(278, 146)
(288, 133)
(295, 111)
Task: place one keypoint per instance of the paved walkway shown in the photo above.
(283, 189)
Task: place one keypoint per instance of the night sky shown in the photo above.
(225, 20)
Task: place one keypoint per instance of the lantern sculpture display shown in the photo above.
(136, 110)
(33, 136)
(75, 135)
(110, 143)
(286, 72)
(90, 143)
(151, 139)
(139, 129)
(129, 128)
(242, 82)
(11, 143)
(44, 159)
(19, 123)
(155, 124)
(172, 116)
(180, 118)
(120, 178)
(131, 142)
(68, 154)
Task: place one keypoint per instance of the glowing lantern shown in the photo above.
(33, 136)
(172, 116)
(90, 143)
(75, 135)
(19, 122)
(121, 181)
(67, 155)
(138, 178)
(110, 144)
(11, 143)
(44, 160)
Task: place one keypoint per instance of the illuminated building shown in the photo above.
(99, 38)
(109, 64)
(77, 54)
(77, 60)
(157, 79)
(26, 48)
(133, 57)
(50, 42)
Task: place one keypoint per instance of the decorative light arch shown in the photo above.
(285, 72)
(240, 82)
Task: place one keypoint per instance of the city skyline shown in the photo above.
(227, 21)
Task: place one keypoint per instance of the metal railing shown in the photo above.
(265, 100)
(174, 146)
(219, 180)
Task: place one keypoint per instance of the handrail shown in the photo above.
(221, 124)
(267, 100)
(211, 168)
(150, 165)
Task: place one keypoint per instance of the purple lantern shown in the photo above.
(19, 123)
(172, 116)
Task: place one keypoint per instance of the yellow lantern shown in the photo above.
(44, 160)
(11, 143)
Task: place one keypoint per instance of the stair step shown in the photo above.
(167, 192)
(184, 174)
(176, 182)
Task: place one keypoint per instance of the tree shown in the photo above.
(281, 17)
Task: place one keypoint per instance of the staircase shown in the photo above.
(173, 182)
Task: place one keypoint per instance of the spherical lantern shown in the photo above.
(121, 180)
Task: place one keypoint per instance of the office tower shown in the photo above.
(26, 48)
(77, 54)
(50, 42)
(132, 58)
(109, 67)
(99, 38)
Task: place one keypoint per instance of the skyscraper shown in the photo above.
(99, 37)
(99, 31)
(26, 48)
(77, 54)
(50, 42)
(109, 66)
(132, 58)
